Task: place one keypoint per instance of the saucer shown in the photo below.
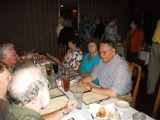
(122, 104)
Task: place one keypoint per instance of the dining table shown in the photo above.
(84, 114)
(144, 54)
(59, 98)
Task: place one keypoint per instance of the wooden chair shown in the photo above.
(156, 105)
(62, 52)
(135, 91)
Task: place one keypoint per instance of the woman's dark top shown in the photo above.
(65, 35)
(99, 31)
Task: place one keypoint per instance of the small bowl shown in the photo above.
(122, 104)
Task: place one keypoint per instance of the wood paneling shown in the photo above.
(32, 23)
(105, 7)
(29, 24)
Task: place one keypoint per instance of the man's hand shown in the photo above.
(71, 105)
(87, 85)
(80, 84)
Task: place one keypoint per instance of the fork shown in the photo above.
(92, 116)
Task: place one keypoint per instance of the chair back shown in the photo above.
(156, 105)
(62, 52)
(135, 90)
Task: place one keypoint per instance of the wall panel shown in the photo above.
(105, 7)
(29, 24)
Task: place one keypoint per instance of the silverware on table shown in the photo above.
(92, 117)
(71, 119)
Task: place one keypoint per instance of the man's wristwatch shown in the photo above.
(63, 112)
(91, 88)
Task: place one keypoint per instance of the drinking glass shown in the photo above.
(139, 116)
(55, 68)
(79, 97)
(66, 82)
(48, 70)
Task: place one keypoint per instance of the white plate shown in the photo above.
(94, 111)
(122, 104)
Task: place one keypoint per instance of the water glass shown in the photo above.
(52, 80)
(55, 68)
(79, 97)
(139, 116)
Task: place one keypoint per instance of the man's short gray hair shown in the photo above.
(37, 84)
(4, 49)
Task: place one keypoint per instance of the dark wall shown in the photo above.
(105, 7)
(29, 24)
(32, 23)
(147, 12)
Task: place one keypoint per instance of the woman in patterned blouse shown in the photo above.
(73, 56)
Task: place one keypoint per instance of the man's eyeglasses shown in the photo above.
(104, 52)
(13, 53)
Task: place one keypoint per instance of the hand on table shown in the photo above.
(71, 105)
(85, 85)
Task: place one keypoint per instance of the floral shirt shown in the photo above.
(73, 59)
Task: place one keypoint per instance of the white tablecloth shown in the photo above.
(85, 115)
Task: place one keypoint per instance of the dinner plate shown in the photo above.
(95, 108)
(122, 104)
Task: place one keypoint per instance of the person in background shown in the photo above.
(29, 93)
(110, 32)
(86, 31)
(134, 41)
(154, 62)
(74, 55)
(66, 33)
(99, 31)
(91, 59)
(5, 75)
(60, 25)
(8, 55)
(112, 72)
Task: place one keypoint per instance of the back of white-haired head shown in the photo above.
(26, 85)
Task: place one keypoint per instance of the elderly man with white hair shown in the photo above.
(8, 55)
(28, 92)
